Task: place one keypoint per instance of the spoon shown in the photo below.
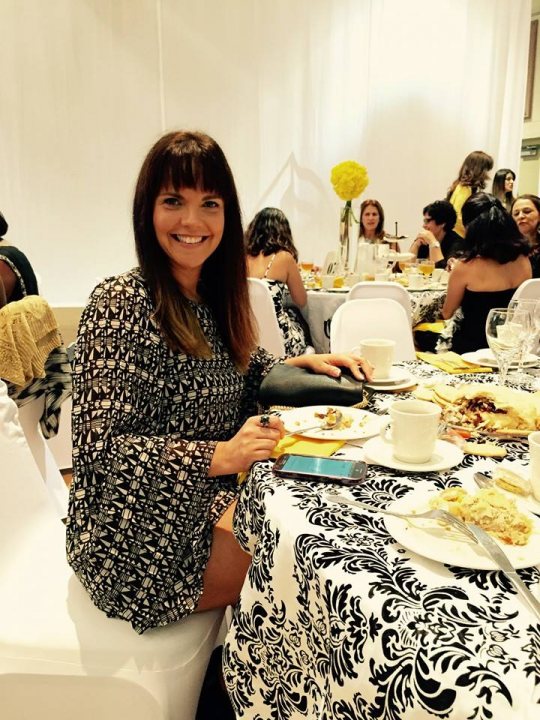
(326, 425)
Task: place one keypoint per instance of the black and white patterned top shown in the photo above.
(288, 319)
(145, 424)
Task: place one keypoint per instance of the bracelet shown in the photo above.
(436, 244)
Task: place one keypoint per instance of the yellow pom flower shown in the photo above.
(349, 179)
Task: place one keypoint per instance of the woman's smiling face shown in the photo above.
(189, 225)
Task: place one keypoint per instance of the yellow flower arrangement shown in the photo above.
(349, 179)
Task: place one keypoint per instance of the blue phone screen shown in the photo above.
(318, 466)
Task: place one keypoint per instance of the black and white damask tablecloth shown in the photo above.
(337, 621)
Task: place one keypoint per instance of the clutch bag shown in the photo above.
(297, 387)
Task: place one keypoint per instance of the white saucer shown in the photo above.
(487, 358)
(397, 375)
(408, 382)
(446, 455)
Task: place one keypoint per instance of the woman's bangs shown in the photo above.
(197, 172)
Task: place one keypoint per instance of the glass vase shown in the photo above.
(345, 235)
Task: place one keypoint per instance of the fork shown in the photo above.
(427, 515)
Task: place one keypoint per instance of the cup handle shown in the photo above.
(385, 432)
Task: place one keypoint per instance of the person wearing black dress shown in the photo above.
(16, 273)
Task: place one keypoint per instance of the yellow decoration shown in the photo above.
(349, 179)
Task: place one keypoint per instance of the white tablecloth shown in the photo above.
(321, 305)
(336, 620)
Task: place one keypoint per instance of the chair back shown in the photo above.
(363, 318)
(382, 290)
(528, 290)
(270, 336)
(61, 657)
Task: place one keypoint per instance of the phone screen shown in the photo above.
(334, 469)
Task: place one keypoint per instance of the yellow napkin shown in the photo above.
(451, 363)
(436, 327)
(302, 446)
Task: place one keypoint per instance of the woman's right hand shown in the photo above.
(254, 441)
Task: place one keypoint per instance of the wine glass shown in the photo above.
(506, 331)
(531, 309)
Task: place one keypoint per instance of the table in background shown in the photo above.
(336, 620)
(322, 304)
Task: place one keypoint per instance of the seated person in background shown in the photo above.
(526, 212)
(503, 186)
(494, 264)
(15, 270)
(272, 257)
(371, 226)
(438, 241)
(471, 179)
(165, 387)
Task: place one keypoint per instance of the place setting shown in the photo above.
(387, 377)
(324, 422)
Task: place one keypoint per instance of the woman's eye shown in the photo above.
(213, 203)
(172, 201)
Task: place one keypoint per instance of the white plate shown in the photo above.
(365, 424)
(487, 358)
(344, 289)
(397, 374)
(409, 382)
(527, 502)
(446, 455)
(427, 538)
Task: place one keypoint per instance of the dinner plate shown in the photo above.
(364, 424)
(524, 502)
(344, 289)
(433, 541)
(408, 382)
(487, 358)
(397, 375)
(446, 455)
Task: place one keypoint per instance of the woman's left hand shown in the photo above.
(330, 364)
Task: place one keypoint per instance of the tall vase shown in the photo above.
(345, 235)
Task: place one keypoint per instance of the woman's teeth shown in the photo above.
(189, 240)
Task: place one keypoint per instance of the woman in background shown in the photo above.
(371, 228)
(503, 187)
(526, 212)
(16, 272)
(272, 257)
(437, 240)
(472, 178)
(495, 262)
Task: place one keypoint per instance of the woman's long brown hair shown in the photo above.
(194, 160)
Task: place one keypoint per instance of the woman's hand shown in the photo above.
(329, 364)
(255, 440)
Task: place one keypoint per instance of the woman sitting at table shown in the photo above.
(371, 227)
(16, 272)
(526, 212)
(495, 262)
(272, 257)
(472, 178)
(437, 240)
(503, 186)
(165, 385)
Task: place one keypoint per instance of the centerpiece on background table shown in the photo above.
(349, 180)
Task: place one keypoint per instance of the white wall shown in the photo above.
(288, 87)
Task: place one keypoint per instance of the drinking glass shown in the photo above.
(531, 310)
(506, 332)
(426, 267)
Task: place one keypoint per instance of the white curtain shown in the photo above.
(288, 87)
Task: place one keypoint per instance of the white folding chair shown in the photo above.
(382, 289)
(372, 318)
(270, 336)
(60, 657)
(528, 290)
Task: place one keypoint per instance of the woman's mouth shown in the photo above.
(190, 239)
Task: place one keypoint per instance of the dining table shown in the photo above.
(426, 306)
(337, 619)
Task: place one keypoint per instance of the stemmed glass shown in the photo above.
(506, 332)
(531, 308)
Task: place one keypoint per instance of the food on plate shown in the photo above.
(488, 407)
(489, 509)
(486, 449)
(332, 417)
(511, 481)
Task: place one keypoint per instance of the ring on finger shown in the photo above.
(264, 420)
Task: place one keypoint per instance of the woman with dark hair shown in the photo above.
(437, 239)
(16, 272)
(503, 187)
(272, 257)
(471, 179)
(166, 377)
(495, 262)
(526, 212)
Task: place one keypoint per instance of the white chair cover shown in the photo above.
(528, 290)
(60, 657)
(358, 319)
(382, 289)
(270, 336)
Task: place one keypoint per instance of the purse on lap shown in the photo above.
(297, 387)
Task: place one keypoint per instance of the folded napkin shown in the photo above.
(436, 327)
(302, 446)
(451, 363)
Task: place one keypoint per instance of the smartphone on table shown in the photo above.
(320, 469)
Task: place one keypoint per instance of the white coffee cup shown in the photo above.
(380, 353)
(416, 281)
(534, 449)
(327, 281)
(436, 275)
(412, 430)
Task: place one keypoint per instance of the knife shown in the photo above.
(504, 564)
